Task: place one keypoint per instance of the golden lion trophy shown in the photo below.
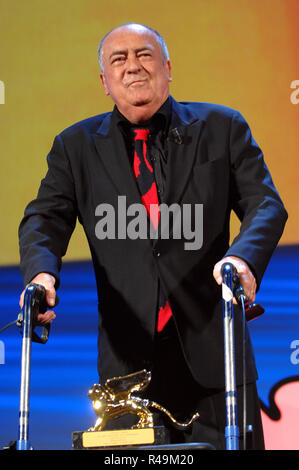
(114, 399)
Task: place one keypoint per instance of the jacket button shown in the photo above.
(156, 252)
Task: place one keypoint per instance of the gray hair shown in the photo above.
(162, 43)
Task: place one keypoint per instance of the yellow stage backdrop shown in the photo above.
(240, 53)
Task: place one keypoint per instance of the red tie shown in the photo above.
(144, 175)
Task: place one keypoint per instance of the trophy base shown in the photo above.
(119, 438)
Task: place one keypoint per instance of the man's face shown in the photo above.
(135, 75)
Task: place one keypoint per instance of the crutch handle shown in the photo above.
(38, 305)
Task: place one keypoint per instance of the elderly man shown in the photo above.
(160, 301)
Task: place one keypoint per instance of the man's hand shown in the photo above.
(247, 279)
(48, 281)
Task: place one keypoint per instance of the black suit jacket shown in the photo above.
(214, 162)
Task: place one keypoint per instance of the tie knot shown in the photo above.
(141, 134)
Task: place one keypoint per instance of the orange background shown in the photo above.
(240, 53)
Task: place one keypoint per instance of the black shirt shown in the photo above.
(159, 127)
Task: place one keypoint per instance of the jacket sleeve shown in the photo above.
(254, 199)
(50, 219)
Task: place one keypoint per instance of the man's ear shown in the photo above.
(103, 80)
(168, 65)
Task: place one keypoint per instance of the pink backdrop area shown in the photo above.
(283, 433)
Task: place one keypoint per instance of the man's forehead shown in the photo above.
(132, 34)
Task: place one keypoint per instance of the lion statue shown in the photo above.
(114, 399)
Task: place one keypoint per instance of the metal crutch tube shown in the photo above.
(231, 428)
(23, 431)
(34, 301)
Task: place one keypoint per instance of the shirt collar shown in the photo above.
(158, 122)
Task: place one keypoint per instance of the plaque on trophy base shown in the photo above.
(119, 438)
(115, 399)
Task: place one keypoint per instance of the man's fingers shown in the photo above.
(48, 282)
(217, 272)
(50, 297)
(21, 301)
(45, 318)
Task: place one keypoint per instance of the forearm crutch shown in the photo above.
(231, 287)
(34, 302)
(231, 428)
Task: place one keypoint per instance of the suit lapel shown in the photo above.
(111, 147)
(182, 144)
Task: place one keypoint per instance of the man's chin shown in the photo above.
(140, 99)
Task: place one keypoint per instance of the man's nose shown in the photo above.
(133, 64)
